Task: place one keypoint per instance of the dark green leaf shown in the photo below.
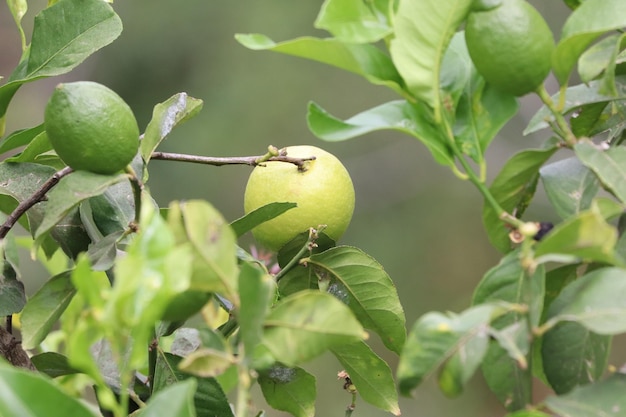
(209, 398)
(166, 116)
(602, 399)
(361, 59)
(355, 21)
(44, 309)
(422, 32)
(64, 35)
(592, 19)
(27, 394)
(53, 364)
(412, 119)
(569, 185)
(114, 209)
(306, 324)
(608, 164)
(586, 120)
(248, 222)
(174, 401)
(363, 285)
(289, 389)
(12, 295)
(370, 374)
(513, 188)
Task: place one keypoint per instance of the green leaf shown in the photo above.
(20, 138)
(174, 401)
(114, 209)
(53, 364)
(165, 117)
(596, 300)
(422, 31)
(69, 192)
(207, 362)
(481, 111)
(586, 236)
(602, 399)
(18, 10)
(509, 282)
(44, 309)
(248, 222)
(209, 398)
(306, 324)
(399, 115)
(289, 389)
(608, 164)
(362, 284)
(437, 337)
(569, 185)
(12, 295)
(355, 21)
(573, 355)
(27, 394)
(365, 60)
(38, 150)
(589, 21)
(64, 35)
(370, 375)
(587, 120)
(214, 264)
(513, 188)
(528, 413)
(600, 58)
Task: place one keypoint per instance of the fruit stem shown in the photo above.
(37, 196)
(566, 132)
(230, 160)
(137, 186)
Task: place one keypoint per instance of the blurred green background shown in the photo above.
(415, 217)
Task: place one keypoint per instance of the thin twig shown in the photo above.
(228, 160)
(37, 196)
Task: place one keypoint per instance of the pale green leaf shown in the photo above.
(289, 389)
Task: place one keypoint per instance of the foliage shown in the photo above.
(545, 314)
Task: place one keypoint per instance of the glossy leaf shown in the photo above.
(114, 209)
(608, 164)
(64, 35)
(596, 300)
(604, 398)
(69, 192)
(289, 389)
(365, 60)
(587, 121)
(362, 284)
(38, 150)
(370, 375)
(513, 188)
(509, 282)
(165, 117)
(422, 31)
(209, 398)
(248, 222)
(27, 394)
(306, 324)
(569, 185)
(586, 236)
(44, 309)
(20, 138)
(214, 265)
(412, 119)
(355, 21)
(12, 294)
(174, 401)
(589, 21)
(435, 338)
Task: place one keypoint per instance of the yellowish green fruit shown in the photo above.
(323, 191)
(91, 128)
(511, 46)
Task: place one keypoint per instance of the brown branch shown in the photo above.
(11, 350)
(37, 196)
(229, 160)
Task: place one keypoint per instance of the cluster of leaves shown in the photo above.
(126, 274)
(548, 310)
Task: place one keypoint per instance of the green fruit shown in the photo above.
(323, 191)
(511, 46)
(91, 128)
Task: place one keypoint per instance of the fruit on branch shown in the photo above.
(322, 190)
(91, 128)
(511, 46)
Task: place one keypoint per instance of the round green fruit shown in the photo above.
(323, 192)
(511, 46)
(91, 128)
